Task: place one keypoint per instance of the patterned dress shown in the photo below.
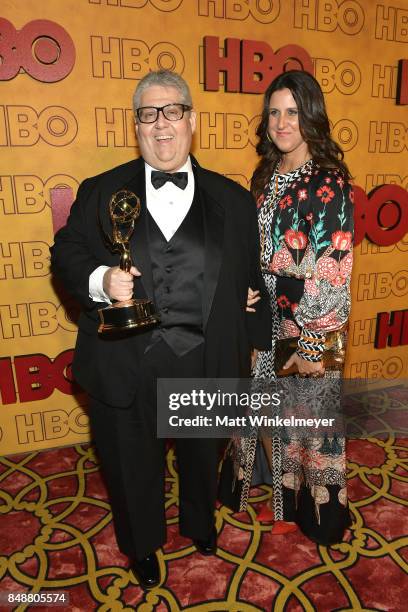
(306, 228)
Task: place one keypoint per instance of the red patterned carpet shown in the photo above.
(56, 535)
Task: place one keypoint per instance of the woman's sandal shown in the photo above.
(265, 515)
(282, 528)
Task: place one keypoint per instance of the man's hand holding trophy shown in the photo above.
(124, 210)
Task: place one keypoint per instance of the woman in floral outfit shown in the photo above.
(305, 213)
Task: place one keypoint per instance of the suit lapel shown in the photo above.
(133, 180)
(213, 214)
(139, 247)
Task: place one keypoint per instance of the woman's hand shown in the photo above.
(252, 299)
(304, 367)
(254, 357)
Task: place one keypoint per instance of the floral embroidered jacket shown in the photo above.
(307, 244)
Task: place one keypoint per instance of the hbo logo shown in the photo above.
(42, 48)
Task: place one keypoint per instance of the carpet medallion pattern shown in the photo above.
(56, 535)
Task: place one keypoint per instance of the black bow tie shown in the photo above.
(159, 178)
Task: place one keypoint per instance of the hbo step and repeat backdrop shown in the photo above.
(67, 73)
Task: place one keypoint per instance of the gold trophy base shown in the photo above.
(125, 316)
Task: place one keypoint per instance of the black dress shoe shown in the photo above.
(147, 571)
(208, 546)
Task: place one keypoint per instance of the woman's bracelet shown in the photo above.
(315, 358)
(311, 345)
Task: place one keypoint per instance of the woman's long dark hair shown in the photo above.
(313, 123)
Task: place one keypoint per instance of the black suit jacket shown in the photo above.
(108, 368)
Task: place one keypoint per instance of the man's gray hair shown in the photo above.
(163, 78)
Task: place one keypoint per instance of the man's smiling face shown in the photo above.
(164, 144)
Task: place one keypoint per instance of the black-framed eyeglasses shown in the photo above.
(172, 112)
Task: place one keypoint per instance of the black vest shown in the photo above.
(178, 273)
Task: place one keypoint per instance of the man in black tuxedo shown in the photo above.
(196, 253)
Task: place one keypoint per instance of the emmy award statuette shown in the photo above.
(124, 210)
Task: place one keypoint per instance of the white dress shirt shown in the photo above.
(168, 207)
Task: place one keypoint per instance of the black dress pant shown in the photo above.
(133, 460)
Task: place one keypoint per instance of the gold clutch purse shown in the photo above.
(333, 356)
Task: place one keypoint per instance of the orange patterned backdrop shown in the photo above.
(67, 73)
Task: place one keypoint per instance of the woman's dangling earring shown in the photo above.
(269, 138)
